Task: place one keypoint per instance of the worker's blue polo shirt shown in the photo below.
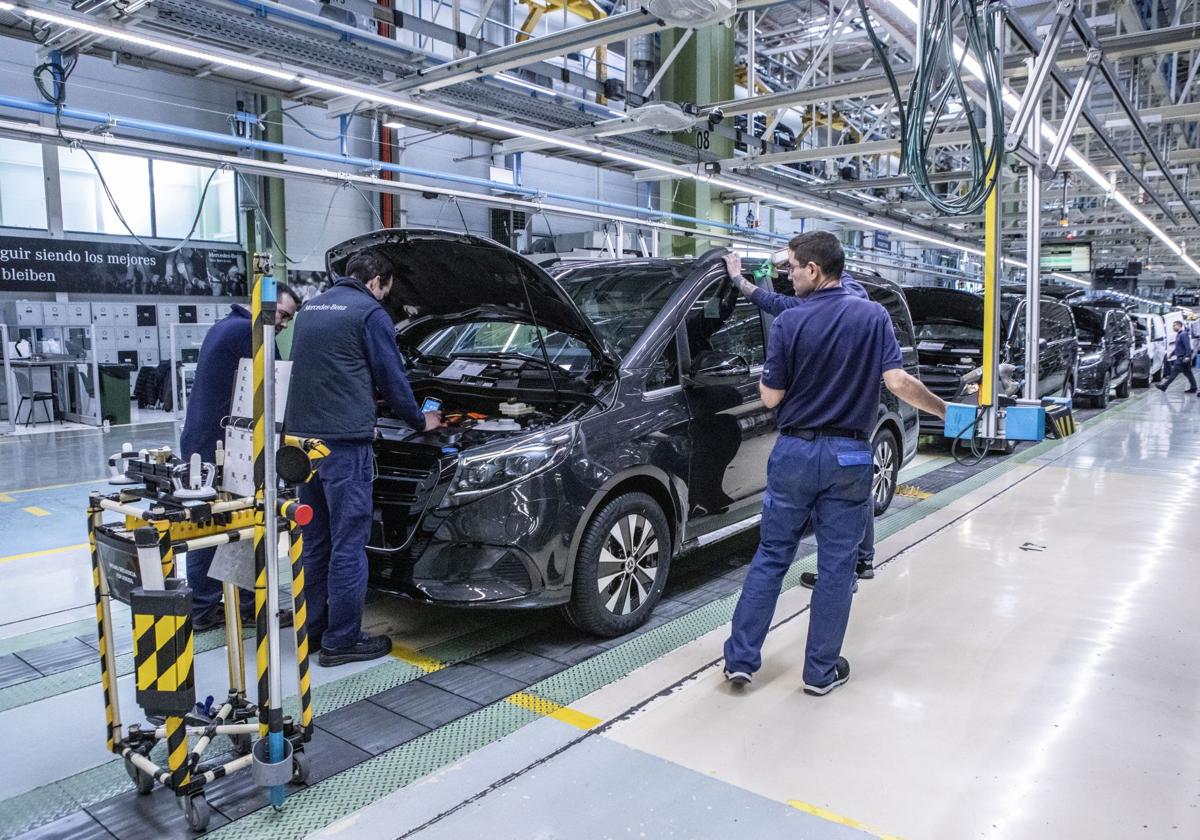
(228, 342)
(827, 354)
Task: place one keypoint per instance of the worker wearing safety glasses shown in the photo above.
(227, 342)
(825, 358)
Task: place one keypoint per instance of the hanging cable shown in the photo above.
(937, 84)
(262, 217)
(59, 72)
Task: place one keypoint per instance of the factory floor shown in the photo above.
(1024, 666)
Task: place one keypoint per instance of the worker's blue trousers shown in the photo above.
(335, 557)
(829, 479)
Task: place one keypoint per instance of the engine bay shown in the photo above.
(473, 417)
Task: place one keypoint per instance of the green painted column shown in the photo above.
(701, 73)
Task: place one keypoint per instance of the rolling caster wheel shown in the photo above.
(300, 768)
(142, 780)
(198, 812)
(242, 743)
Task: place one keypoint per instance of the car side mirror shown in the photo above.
(716, 366)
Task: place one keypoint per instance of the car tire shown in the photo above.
(1101, 399)
(604, 591)
(885, 459)
(1124, 389)
(1068, 390)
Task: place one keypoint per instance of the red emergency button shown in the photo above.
(303, 515)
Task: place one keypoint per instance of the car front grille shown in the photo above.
(408, 483)
(945, 382)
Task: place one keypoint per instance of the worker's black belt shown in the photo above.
(824, 431)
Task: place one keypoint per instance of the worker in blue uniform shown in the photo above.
(228, 342)
(1181, 359)
(344, 350)
(775, 304)
(825, 358)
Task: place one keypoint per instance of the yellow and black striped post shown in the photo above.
(112, 714)
(177, 748)
(162, 655)
(259, 439)
(297, 515)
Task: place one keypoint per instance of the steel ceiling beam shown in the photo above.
(1152, 42)
(603, 31)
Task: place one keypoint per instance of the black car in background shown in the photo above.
(600, 423)
(949, 339)
(1105, 347)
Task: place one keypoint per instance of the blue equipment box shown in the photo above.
(1021, 422)
(1025, 422)
(960, 421)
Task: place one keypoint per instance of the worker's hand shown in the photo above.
(433, 420)
(746, 286)
(733, 266)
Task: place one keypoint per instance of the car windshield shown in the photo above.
(505, 339)
(950, 332)
(622, 298)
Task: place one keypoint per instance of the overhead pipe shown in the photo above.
(371, 164)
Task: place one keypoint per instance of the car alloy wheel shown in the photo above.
(886, 461)
(621, 566)
(628, 564)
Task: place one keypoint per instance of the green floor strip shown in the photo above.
(366, 783)
(346, 792)
(913, 473)
(49, 635)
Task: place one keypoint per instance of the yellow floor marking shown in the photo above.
(912, 492)
(548, 708)
(413, 657)
(830, 816)
(529, 702)
(43, 553)
(36, 511)
(4, 497)
(94, 481)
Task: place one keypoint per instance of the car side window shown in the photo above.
(898, 311)
(1054, 328)
(722, 320)
(665, 371)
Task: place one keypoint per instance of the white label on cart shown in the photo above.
(931, 345)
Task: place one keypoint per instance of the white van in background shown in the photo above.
(1150, 347)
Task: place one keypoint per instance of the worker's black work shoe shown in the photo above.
(212, 617)
(841, 675)
(738, 679)
(367, 648)
(1162, 387)
(809, 580)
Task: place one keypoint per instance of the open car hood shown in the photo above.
(444, 277)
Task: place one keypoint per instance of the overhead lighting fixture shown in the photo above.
(396, 124)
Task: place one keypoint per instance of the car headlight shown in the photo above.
(487, 470)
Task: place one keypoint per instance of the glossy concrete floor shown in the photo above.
(1025, 666)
